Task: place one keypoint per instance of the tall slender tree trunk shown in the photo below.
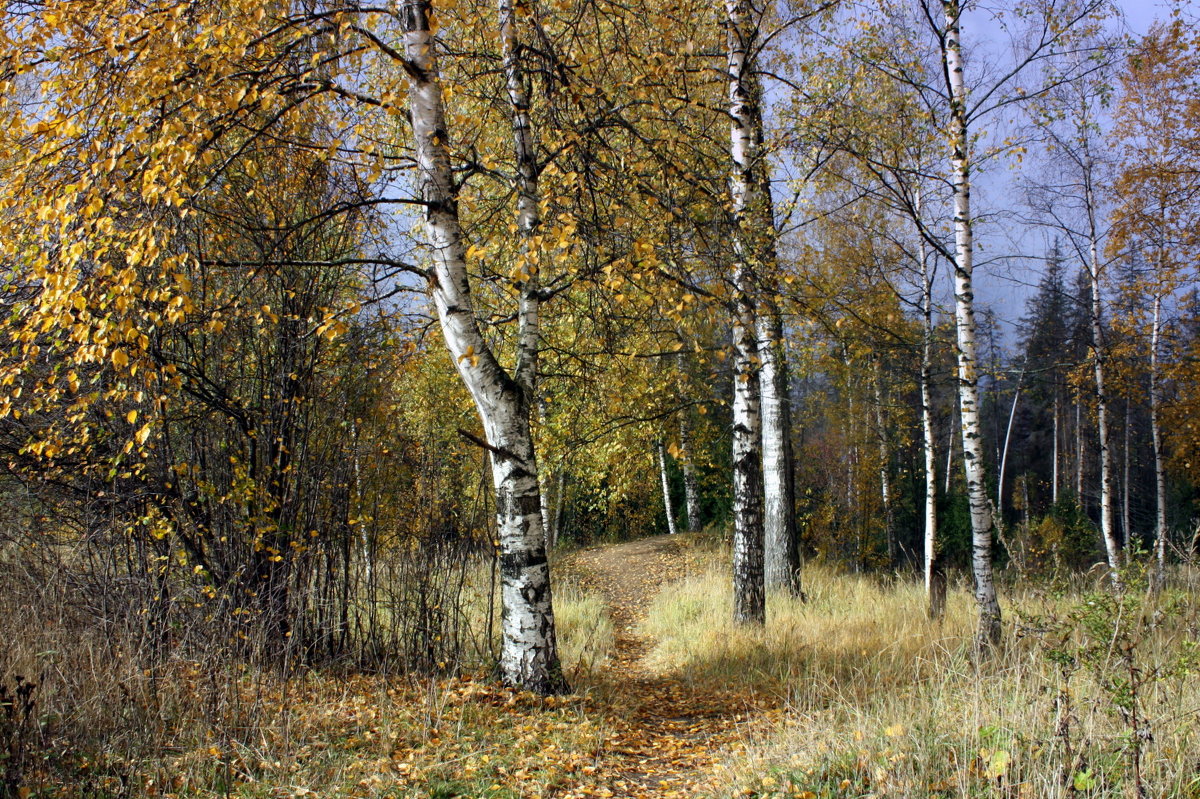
(964, 305)
(545, 478)
(1160, 469)
(545, 498)
(754, 219)
(781, 544)
(668, 505)
(747, 205)
(529, 654)
(749, 588)
(1012, 415)
(935, 578)
(1079, 452)
(950, 439)
(885, 458)
(1111, 546)
(1055, 456)
(691, 490)
(853, 506)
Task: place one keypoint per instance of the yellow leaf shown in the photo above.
(894, 731)
(120, 359)
(998, 764)
(143, 434)
(131, 417)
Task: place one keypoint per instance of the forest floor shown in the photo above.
(670, 732)
(854, 693)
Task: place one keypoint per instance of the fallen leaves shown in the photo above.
(630, 732)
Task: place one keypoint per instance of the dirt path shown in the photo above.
(669, 734)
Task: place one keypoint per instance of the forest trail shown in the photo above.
(669, 732)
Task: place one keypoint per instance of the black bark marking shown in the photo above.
(512, 564)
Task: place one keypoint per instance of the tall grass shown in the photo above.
(114, 714)
(882, 701)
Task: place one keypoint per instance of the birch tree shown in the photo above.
(964, 315)
(748, 576)
(168, 116)
(763, 482)
(1050, 25)
(1069, 119)
(529, 655)
(1158, 187)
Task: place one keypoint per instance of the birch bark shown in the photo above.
(748, 568)
(668, 506)
(1160, 470)
(964, 306)
(749, 591)
(1054, 458)
(1111, 545)
(529, 655)
(1012, 415)
(885, 457)
(935, 583)
(781, 543)
(1079, 453)
(691, 492)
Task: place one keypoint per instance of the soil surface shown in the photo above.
(670, 733)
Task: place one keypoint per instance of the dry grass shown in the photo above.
(112, 720)
(883, 702)
(585, 631)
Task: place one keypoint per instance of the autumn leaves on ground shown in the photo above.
(631, 728)
(853, 693)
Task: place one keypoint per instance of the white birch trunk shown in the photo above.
(1160, 469)
(668, 506)
(529, 655)
(964, 306)
(545, 476)
(885, 457)
(1055, 456)
(950, 450)
(749, 591)
(935, 583)
(1012, 415)
(1111, 546)
(748, 577)
(544, 499)
(1079, 452)
(781, 544)
(691, 493)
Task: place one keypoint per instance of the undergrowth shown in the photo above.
(1092, 694)
(101, 718)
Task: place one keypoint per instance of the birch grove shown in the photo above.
(330, 331)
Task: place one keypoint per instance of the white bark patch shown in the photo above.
(668, 506)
